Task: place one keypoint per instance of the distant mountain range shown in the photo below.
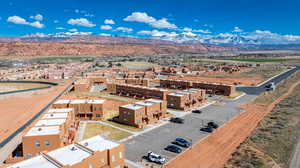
(63, 44)
(96, 45)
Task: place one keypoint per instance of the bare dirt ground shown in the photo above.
(215, 150)
(246, 77)
(6, 87)
(17, 110)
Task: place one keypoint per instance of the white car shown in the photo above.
(156, 158)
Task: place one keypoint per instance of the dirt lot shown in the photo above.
(247, 77)
(17, 110)
(6, 87)
(274, 140)
(93, 129)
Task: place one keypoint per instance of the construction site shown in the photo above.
(120, 113)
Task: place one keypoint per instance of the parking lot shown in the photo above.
(156, 140)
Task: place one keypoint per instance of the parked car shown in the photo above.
(182, 142)
(156, 158)
(173, 148)
(177, 120)
(213, 125)
(207, 129)
(197, 111)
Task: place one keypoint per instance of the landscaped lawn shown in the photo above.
(93, 129)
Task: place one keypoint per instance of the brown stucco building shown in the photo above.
(95, 152)
(137, 91)
(211, 88)
(142, 113)
(187, 99)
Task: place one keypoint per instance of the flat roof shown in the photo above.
(50, 122)
(36, 131)
(145, 103)
(55, 115)
(132, 106)
(96, 101)
(155, 100)
(176, 94)
(78, 101)
(69, 155)
(60, 110)
(36, 162)
(98, 143)
(62, 101)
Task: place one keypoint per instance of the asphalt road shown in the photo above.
(156, 139)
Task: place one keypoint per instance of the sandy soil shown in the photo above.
(250, 81)
(17, 110)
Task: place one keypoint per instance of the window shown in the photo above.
(98, 115)
(120, 154)
(118, 166)
(102, 160)
(47, 143)
(113, 158)
(37, 143)
(90, 166)
(29, 156)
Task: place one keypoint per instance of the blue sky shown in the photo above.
(153, 18)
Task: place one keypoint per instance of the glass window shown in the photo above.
(37, 143)
(47, 143)
(102, 160)
(118, 166)
(29, 156)
(120, 154)
(113, 158)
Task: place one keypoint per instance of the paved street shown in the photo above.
(156, 139)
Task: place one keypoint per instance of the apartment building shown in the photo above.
(211, 88)
(95, 152)
(133, 81)
(55, 129)
(187, 99)
(137, 91)
(142, 113)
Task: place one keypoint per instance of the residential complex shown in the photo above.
(95, 152)
(142, 113)
(187, 99)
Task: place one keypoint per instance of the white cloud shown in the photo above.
(37, 17)
(73, 30)
(124, 29)
(60, 28)
(109, 21)
(188, 29)
(237, 30)
(202, 31)
(37, 24)
(105, 27)
(145, 18)
(156, 33)
(81, 22)
(105, 34)
(189, 34)
(22, 21)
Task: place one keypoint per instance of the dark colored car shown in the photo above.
(177, 120)
(173, 148)
(213, 125)
(207, 129)
(182, 142)
(197, 111)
